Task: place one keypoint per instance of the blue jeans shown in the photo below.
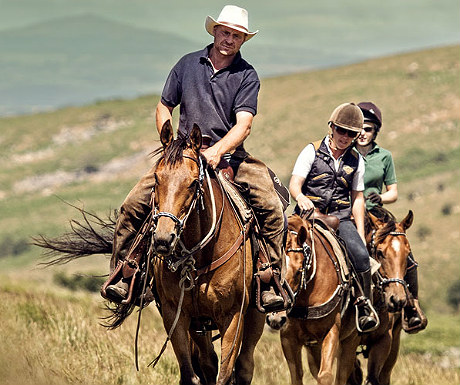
(356, 249)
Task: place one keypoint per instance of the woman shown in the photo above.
(380, 171)
(328, 175)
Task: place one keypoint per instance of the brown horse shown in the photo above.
(204, 268)
(315, 319)
(202, 263)
(388, 244)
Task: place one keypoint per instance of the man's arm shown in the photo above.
(237, 134)
(163, 114)
(358, 208)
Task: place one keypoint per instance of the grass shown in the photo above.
(53, 336)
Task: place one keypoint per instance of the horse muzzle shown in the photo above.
(276, 320)
(395, 303)
(164, 243)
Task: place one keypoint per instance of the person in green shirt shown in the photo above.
(379, 172)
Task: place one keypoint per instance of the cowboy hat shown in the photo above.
(233, 17)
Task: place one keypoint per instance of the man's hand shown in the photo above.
(375, 198)
(212, 156)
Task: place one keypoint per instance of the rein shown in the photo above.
(187, 262)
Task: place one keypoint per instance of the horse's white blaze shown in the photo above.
(396, 244)
(287, 260)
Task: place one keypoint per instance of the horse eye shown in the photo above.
(193, 185)
(380, 254)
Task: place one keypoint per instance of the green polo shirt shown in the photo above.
(379, 172)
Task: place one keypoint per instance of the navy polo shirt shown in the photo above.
(211, 100)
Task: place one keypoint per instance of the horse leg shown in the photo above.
(231, 333)
(379, 350)
(328, 353)
(204, 358)
(181, 343)
(292, 349)
(253, 328)
(314, 360)
(346, 362)
(385, 374)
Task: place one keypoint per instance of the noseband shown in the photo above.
(384, 281)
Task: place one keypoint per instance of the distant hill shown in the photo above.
(66, 52)
(72, 60)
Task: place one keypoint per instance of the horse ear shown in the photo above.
(196, 138)
(407, 221)
(302, 235)
(374, 220)
(166, 134)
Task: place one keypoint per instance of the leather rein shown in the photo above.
(184, 255)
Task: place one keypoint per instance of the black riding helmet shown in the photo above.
(371, 114)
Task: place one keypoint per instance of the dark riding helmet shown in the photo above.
(371, 114)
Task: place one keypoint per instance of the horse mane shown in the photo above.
(384, 216)
(174, 152)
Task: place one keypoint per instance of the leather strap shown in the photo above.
(227, 255)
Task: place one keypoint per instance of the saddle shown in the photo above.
(264, 274)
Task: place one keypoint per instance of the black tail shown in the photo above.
(91, 236)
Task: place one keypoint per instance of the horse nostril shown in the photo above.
(163, 244)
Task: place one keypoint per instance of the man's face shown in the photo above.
(228, 41)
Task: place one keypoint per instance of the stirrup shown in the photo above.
(416, 328)
(365, 302)
(282, 289)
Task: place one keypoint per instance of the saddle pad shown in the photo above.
(234, 195)
(338, 251)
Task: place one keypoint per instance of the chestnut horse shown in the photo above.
(315, 320)
(204, 266)
(388, 244)
(202, 263)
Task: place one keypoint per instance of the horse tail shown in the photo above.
(92, 235)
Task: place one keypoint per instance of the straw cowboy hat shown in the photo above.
(233, 17)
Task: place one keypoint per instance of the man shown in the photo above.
(328, 175)
(216, 89)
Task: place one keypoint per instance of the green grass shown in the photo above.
(52, 336)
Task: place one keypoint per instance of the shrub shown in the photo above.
(453, 295)
(77, 281)
(446, 209)
(10, 247)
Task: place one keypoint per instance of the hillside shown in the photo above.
(73, 59)
(66, 52)
(93, 155)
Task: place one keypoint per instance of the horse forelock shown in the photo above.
(174, 153)
(384, 231)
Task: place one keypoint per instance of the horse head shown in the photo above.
(390, 247)
(298, 257)
(178, 184)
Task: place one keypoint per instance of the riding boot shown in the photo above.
(414, 319)
(271, 301)
(367, 317)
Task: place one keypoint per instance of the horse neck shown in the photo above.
(202, 221)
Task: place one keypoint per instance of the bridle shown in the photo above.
(309, 259)
(197, 196)
(382, 280)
